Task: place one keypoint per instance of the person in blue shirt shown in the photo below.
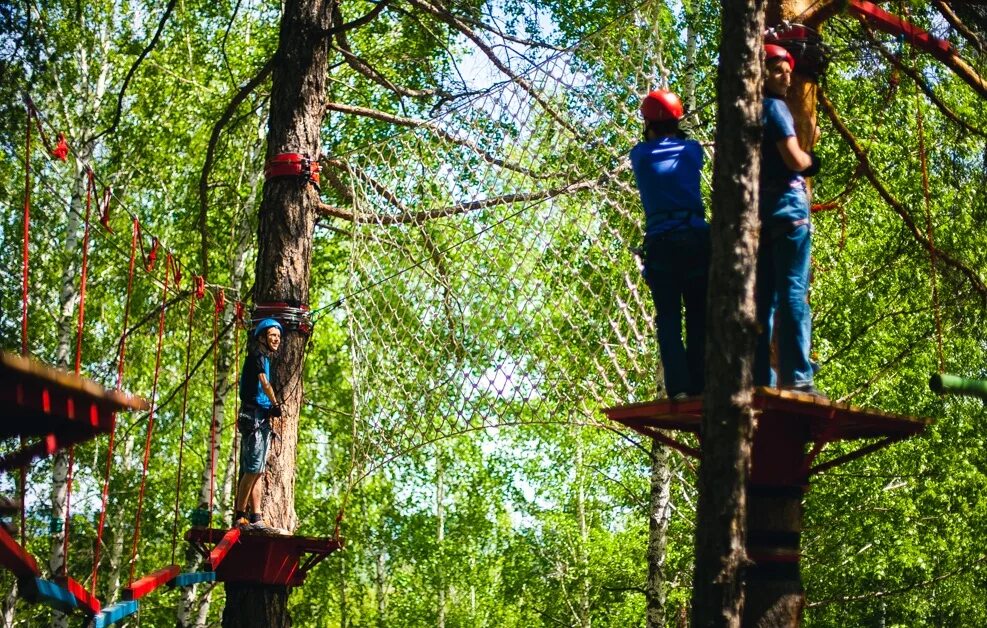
(258, 404)
(782, 283)
(676, 240)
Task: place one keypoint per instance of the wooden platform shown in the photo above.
(263, 558)
(797, 416)
(54, 407)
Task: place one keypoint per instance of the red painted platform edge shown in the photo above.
(87, 601)
(15, 558)
(150, 582)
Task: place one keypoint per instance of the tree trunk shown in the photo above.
(284, 258)
(380, 587)
(440, 536)
(68, 300)
(582, 554)
(659, 515)
(717, 598)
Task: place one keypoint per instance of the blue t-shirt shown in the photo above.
(778, 124)
(667, 173)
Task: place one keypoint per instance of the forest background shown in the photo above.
(477, 304)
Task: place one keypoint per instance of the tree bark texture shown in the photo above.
(660, 513)
(727, 426)
(286, 223)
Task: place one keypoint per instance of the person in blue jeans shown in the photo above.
(259, 404)
(782, 283)
(676, 240)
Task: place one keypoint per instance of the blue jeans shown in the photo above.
(676, 268)
(782, 289)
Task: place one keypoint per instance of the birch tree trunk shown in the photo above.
(659, 515)
(582, 557)
(717, 598)
(284, 259)
(68, 301)
(440, 535)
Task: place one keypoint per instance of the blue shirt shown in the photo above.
(667, 173)
(778, 124)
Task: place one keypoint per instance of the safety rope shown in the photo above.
(238, 314)
(220, 305)
(927, 198)
(150, 420)
(197, 294)
(135, 231)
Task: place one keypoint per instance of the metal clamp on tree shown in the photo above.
(297, 165)
(292, 315)
(811, 55)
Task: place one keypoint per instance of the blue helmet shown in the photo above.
(265, 324)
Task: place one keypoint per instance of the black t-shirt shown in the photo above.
(251, 392)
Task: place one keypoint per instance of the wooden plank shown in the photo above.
(223, 548)
(894, 25)
(50, 594)
(86, 600)
(114, 613)
(15, 558)
(150, 582)
(193, 577)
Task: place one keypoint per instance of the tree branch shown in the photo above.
(133, 69)
(455, 22)
(357, 23)
(231, 108)
(364, 68)
(905, 589)
(954, 20)
(922, 84)
(442, 133)
(894, 203)
(412, 217)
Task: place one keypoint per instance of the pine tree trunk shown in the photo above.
(660, 513)
(284, 258)
(727, 427)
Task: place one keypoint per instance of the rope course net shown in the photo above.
(491, 274)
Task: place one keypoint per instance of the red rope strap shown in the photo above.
(120, 365)
(293, 165)
(181, 443)
(150, 420)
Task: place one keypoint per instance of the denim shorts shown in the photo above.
(256, 430)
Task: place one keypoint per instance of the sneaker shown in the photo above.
(258, 526)
(241, 522)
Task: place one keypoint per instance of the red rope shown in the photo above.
(22, 489)
(181, 443)
(90, 188)
(238, 313)
(120, 365)
(68, 511)
(220, 305)
(150, 421)
(929, 233)
(27, 231)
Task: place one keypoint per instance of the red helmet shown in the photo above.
(774, 51)
(661, 105)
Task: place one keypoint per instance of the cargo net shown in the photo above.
(492, 279)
